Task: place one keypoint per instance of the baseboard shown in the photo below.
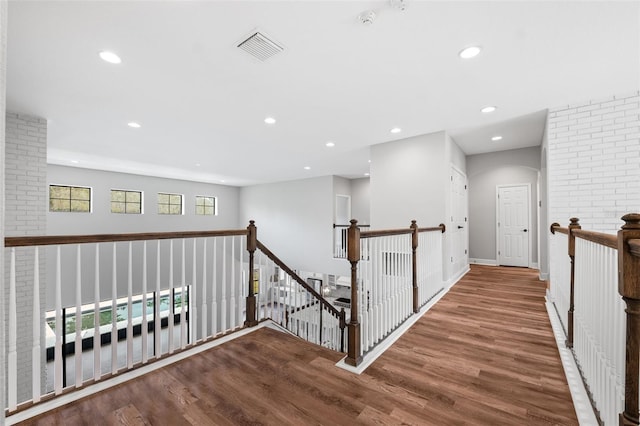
(581, 402)
(533, 265)
(544, 276)
(489, 262)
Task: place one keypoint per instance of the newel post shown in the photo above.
(354, 356)
(629, 288)
(252, 243)
(572, 255)
(414, 259)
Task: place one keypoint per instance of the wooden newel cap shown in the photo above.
(413, 224)
(252, 223)
(574, 221)
(632, 221)
(353, 222)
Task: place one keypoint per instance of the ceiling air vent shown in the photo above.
(260, 46)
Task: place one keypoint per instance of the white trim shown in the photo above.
(378, 350)
(544, 276)
(581, 402)
(528, 185)
(129, 375)
(533, 265)
(488, 262)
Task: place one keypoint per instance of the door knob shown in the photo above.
(524, 230)
(460, 227)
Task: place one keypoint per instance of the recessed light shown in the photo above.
(496, 138)
(469, 52)
(223, 181)
(134, 125)
(75, 161)
(270, 120)
(369, 160)
(488, 109)
(330, 144)
(366, 174)
(110, 57)
(396, 130)
(307, 168)
(197, 164)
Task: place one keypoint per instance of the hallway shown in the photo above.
(484, 355)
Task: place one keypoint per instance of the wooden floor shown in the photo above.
(484, 355)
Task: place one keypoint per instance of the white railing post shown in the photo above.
(97, 337)
(35, 352)
(78, 341)
(12, 354)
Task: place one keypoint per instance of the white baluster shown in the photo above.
(223, 287)
(145, 324)
(12, 354)
(193, 310)
(204, 313)
(242, 284)
(172, 302)
(232, 301)
(214, 290)
(35, 352)
(183, 297)
(130, 307)
(97, 337)
(114, 313)
(157, 323)
(60, 328)
(78, 342)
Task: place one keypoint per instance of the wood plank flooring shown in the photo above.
(484, 355)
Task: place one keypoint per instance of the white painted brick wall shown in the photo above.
(25, 214)
(594, 162)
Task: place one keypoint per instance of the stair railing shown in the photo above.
(394, 273)
(597, 297)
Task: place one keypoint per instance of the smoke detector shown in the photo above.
(398, 4)
(367, 17)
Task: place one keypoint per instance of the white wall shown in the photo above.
(543, 209)
(486, 171)
(295, 220)
(409, 181)
(594, 162)
(360, 200)
(101, 220)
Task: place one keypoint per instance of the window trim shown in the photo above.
(90, 188)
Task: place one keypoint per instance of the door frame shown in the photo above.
(510, 185)
(453, 168)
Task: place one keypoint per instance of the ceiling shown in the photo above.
(201, 100)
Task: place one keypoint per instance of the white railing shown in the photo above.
(429, 264)
(385, 287)
(599, 326)
(560, 276)
(284, 297)
(112, 292)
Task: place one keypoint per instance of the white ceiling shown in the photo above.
(201, 100)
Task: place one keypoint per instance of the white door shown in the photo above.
(457, 227)
(513, 225)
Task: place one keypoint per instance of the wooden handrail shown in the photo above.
(607, 240)
(296, 277)
(48, 240)
(442, 228)
(555, 227)
(346, 226)
(385, 232)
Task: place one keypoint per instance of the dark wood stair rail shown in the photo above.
(627, 242)
(354, 355)
(340, 314)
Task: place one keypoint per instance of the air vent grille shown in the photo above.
(260, 46)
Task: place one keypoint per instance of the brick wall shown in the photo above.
(25, 214)
(594, 162)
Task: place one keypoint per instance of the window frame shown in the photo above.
(169, 204)
(215, 205)
(71, 187)
(125, 202)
